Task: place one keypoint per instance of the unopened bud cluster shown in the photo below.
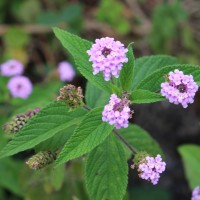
(71, 95)
(41, 160)
(18, 121)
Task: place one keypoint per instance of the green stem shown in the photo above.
(86, 107)
(134, 151)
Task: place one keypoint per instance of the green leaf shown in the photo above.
(146, 65)
(145, 96)
(191, 159)
(57, 141)
(127, 72)
(57, 177)
(78, 48)
(140, 140)
(10, 175)
(107, 171)
(51, 120)
(95, 97)
(154, 80)
(89, 134)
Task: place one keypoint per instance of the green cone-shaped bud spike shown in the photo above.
(18, 121)
(72, 96)
(41, 160)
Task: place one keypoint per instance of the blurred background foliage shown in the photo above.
(155, 26)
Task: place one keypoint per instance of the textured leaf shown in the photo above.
(95, 97)
(107, 171)
(140, 140)
(78, 47)
(127, 72)
(191, 159)
(57, 141)
(146, 65)
(153, 81)
(89, 134)
(52, 119)
(145, 96)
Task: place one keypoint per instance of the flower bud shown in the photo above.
(41, 160)
(18, 121)
(72, 96)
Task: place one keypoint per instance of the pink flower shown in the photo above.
(150, 168)
(196, 193)
(20, 86)
(66, 71)
(179, 88)
(107, 56)
(12, 68)
(117, 112)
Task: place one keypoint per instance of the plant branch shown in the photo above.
(134, 151)
(86, 107)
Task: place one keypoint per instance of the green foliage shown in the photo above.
(153, 81)
(53, 119)
(78, 48)
(145, 96)
(191, 159)
(166, 18)
(27, 11)
(57, 141)
(90, 133)
(127, 72)
(140, 140)
(95, 97)
(67, 14)
(10, 38)
(114, 17)
(146, 65)
(57, 177)
(10, 175)
(106, 171)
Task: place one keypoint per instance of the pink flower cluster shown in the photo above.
(107, 56)
(20, 86)
(151, 168)
(117, 112)
(196, 193)
(66, 71)
(179, 88)
(12, 68)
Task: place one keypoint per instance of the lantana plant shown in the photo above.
(96, 125)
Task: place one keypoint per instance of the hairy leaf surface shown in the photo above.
(52, 119)
(90, 133)
(107, 171)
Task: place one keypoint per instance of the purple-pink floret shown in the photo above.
(107, 56)
(196, 193)
(66, 71)
(179, 88)
(117, 112)
(12, 68)
(20, 86)
(151, 168)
